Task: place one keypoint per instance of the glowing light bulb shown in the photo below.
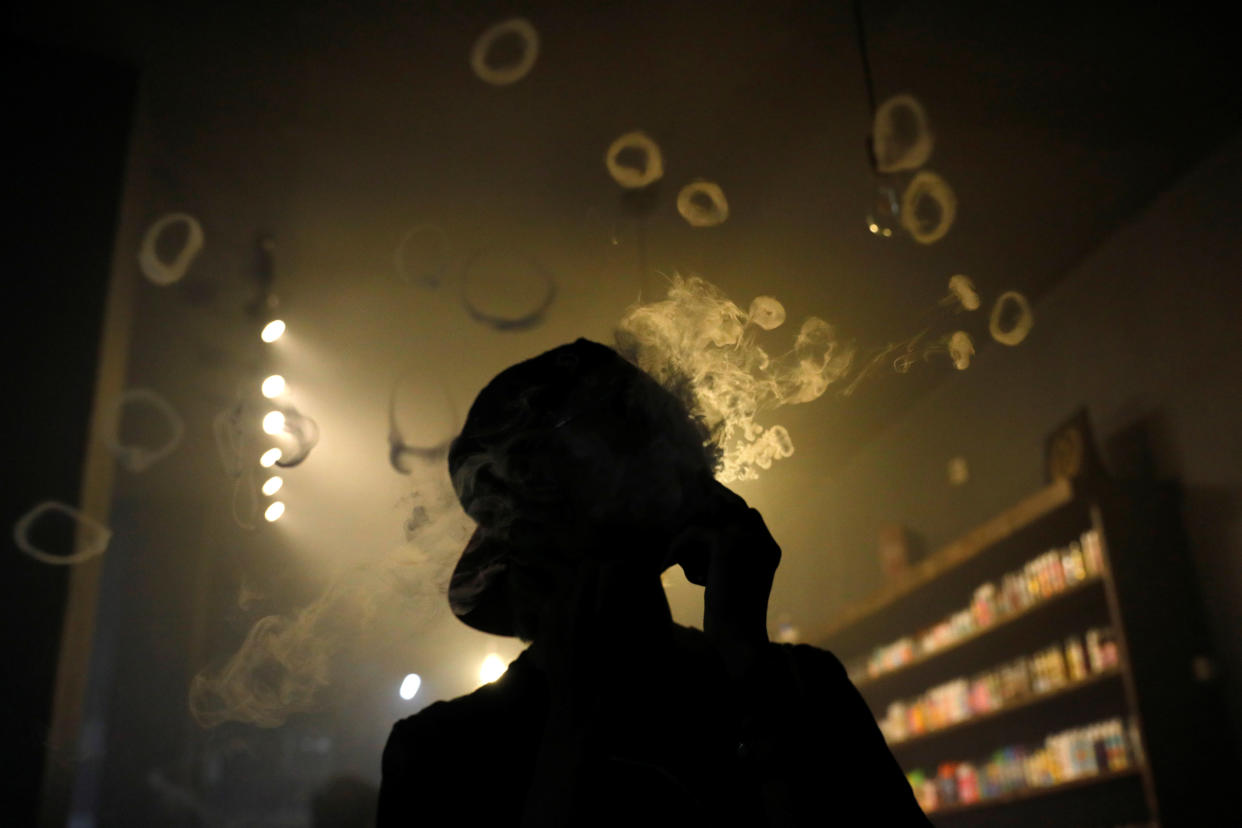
(272, 485)
(273, 330)
(274, 512)
(493, 667)
(274, 422)
(885, 211)
(409, 686)
(269, 457)
(273, 386)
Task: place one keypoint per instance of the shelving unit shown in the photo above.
(983, 633)
(1049, 696)
(942, 584)
(1035, 793)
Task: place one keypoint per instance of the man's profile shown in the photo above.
(587, 480)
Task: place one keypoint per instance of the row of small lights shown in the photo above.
(493, 666)
(273, 423)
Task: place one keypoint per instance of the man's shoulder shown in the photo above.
(816, 668)
(474, 714)
(810, 655)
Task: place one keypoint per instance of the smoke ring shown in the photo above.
(519, 26)
(158, 271)
(429, 276)
(502, 322)
(890, 155)
(140, 458)
(629, 177)
(697, 215)
(102, 535)
(1021, 327)
(401, 450)
(927, 184)
(302, 431)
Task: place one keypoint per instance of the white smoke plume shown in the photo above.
(706, 349)
(287, 661)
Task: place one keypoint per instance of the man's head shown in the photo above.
(573, 452)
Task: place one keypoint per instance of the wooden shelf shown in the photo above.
(981, 632)
(1026, 702)
(1008, 522)
(1033, 793)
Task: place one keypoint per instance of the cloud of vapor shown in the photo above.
(287, 661)
(706, 349)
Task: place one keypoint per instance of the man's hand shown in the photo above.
(741, 559)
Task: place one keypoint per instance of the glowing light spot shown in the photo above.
(900, 136)
(274, 422)
(269, 458)
(961, 289)
(508, 73)
(273, 386)
(493, 667)
(885, 208)
(274, 512)
(786, 631)
(1021, 326)
(409, 686)
(928, 207)
(272, 485)
(702, 204)
(632, 177)
(961, 349)
(273, 330)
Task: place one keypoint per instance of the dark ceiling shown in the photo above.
(1053, 121)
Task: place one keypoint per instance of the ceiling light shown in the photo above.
(409, 686)
(274, 422)
(272, 485)
(273, 330)
(273, 386)
(269, 457)
(493, 667)
(274, 512)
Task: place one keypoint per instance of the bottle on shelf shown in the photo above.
(1066, 756)
(960, 699)
(1040, 578)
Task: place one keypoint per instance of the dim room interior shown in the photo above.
(974, 266)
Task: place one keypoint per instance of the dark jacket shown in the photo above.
(803, 746)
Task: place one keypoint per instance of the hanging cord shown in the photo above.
(860, 32)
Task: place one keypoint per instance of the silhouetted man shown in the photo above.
(587, 480)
